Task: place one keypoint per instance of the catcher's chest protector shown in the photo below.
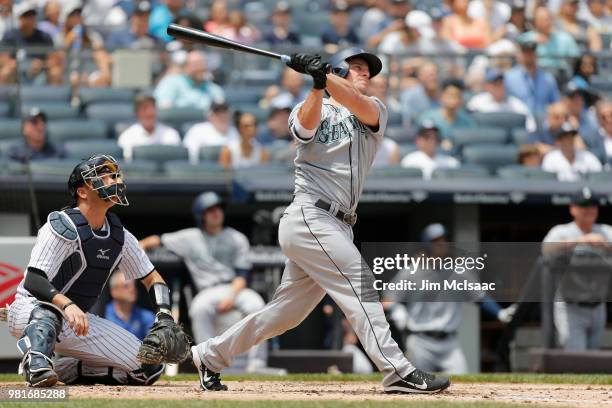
(83, 274)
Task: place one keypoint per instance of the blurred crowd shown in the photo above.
(538, 70)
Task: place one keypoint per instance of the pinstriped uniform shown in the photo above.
(106, 344)
(332, 165)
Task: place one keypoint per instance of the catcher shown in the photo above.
(75, 253)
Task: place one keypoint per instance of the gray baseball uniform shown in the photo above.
(580, 325)
(331, 166)
(212, 261)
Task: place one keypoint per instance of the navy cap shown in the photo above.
(219, 107)
(34, 113)
(527, 44)
(427, 125)
(585, 198)
(565, 129)
(493, 75)
(433, 231)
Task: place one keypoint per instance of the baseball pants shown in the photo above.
(321, 259)
(106, 345)
(439, 355)
(579, 327)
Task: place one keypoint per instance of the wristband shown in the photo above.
(67, 304)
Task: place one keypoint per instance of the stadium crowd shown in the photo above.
(478, 85)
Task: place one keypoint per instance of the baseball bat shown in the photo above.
(202, 37)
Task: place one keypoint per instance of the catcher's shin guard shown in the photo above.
(36, 345)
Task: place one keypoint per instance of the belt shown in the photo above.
(590, 305)
(349, 219)
(440, 335)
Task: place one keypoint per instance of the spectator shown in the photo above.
(403, 38)
(388, 153)
(217, 259)
(556, 115)
(26, 34)
(137, 36)
(162, 15)
(596, 16)
(217, 131)
(218, 20)
(427, 157)
(430, 41)
(276, 137)
(244, 32)
(494, 99)
(579, 309)
(35, 145)
(585, 68)
(379, 87)
(338, 33)
(497, 13)
(290, 93)
(568, 162)
(192, 88)
(374, 19)
(517, 24)
(575, 100)
(247, 151)
(602, 143)
(532, 85)
(530, 156)
(586, 37)
(282, 31)
(123, 310)
(51, 20)
(451, 114)
(397, 10)
(6, 16)
(472, 33)
(108, 14)
(422, 97)
(147, 130)
(553, 46)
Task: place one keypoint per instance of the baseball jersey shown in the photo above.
(333, 163)
(210, 259)
(51, 250)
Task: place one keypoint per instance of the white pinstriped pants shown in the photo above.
(322, 258)
(106, 344)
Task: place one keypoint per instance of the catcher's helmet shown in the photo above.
(91, 171)
(202, 203)
(340, 65)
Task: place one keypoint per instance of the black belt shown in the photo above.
(590, 305)
(350, 219)
(439, 335)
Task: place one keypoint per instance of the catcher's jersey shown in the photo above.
(333, 164)
(52, 250)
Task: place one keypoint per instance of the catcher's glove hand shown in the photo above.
(299, 62)
(165, 343)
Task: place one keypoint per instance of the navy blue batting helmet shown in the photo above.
(340, 66)
(202, 203)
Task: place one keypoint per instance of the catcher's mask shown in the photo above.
(92, 171)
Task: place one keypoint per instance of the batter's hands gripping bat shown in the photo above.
(202, 37)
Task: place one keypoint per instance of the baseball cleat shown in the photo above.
(209, 380)
(419, 382)
(46, 378)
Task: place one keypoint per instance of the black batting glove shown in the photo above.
(300, 61)
(318, 71)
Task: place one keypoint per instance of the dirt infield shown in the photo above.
(568, 395)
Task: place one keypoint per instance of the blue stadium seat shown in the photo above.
(160, 153)
(210, 153)
(76, 129)
(53, 110)
(82, 149)
(10, 129)
(406, 148)
(111, 113)
(395, 172)
(53, 167)
(467, 136)
(45, 93)
(311, 23)
(186, 126)
(96, 95)
(506, 120)
(400, 134)
(6, 143)
(264, 170)
(395, 118)
(519, 136)
(139, 169)
(5, 109)
(260, 113)
(8, 92)
(463, 172)
(182, 169)
(243, 94)
(490, 156)
(602, 177)
(175, 117)
(523, 173)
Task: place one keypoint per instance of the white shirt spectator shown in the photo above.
(584, 162)
(386, 153)
(136, 135)
(608, 146)
(429, 164)
(240, 161)
(500, 14)
(205, 134)
(484, 102)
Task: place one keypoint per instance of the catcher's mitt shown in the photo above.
(165, 343)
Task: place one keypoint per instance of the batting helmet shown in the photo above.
(92, 170)
(202, 203)
(340, 66)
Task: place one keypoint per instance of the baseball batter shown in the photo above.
(338, 140)
(76, 251)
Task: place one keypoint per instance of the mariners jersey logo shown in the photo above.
(332, 133)
(102, 254)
